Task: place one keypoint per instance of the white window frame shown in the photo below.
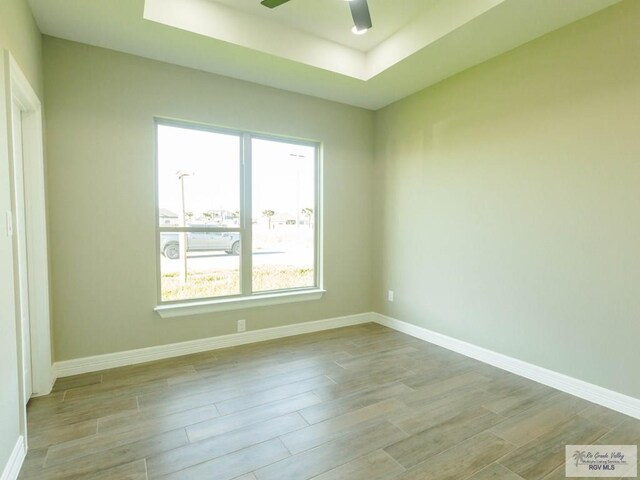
(246, 298)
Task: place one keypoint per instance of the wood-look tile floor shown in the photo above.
(357, 403)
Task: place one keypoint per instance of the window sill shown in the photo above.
(211, 306)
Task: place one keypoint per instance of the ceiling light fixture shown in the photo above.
(359, 12)
(361, 16)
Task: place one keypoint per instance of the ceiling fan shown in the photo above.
(359, 12)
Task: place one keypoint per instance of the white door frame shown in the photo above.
(16, 89)
(20, 262)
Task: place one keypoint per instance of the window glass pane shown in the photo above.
(283, 223)
(198, 185)
(211, 267)
(198, 178)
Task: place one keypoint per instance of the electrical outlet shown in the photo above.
(242, 325)
(390, 295)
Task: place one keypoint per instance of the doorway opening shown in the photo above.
(23, 205)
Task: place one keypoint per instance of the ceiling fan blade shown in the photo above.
(273, 3)
(360, 14)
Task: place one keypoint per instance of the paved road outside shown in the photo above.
(215, 261)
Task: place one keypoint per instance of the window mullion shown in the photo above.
(246, 215)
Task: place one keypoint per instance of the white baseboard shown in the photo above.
(588, 391)
(142, 355)
(13, 466)
(49, 381)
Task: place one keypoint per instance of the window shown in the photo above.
(237, 214)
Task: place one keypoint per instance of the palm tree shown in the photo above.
(208, 215)
(268, 214)
(579, 456)
(308, 212)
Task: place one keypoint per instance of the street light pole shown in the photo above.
(182, 236)
(297, 189)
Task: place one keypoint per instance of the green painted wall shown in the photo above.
(18, 34)
(508, 210)
(100, 109)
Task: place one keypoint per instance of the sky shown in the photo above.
(283, 173)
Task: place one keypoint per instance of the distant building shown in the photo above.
(168, 218)
(285, 218)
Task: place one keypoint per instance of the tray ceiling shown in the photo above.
(306, 46)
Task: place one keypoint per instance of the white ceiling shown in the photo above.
(306, 46)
